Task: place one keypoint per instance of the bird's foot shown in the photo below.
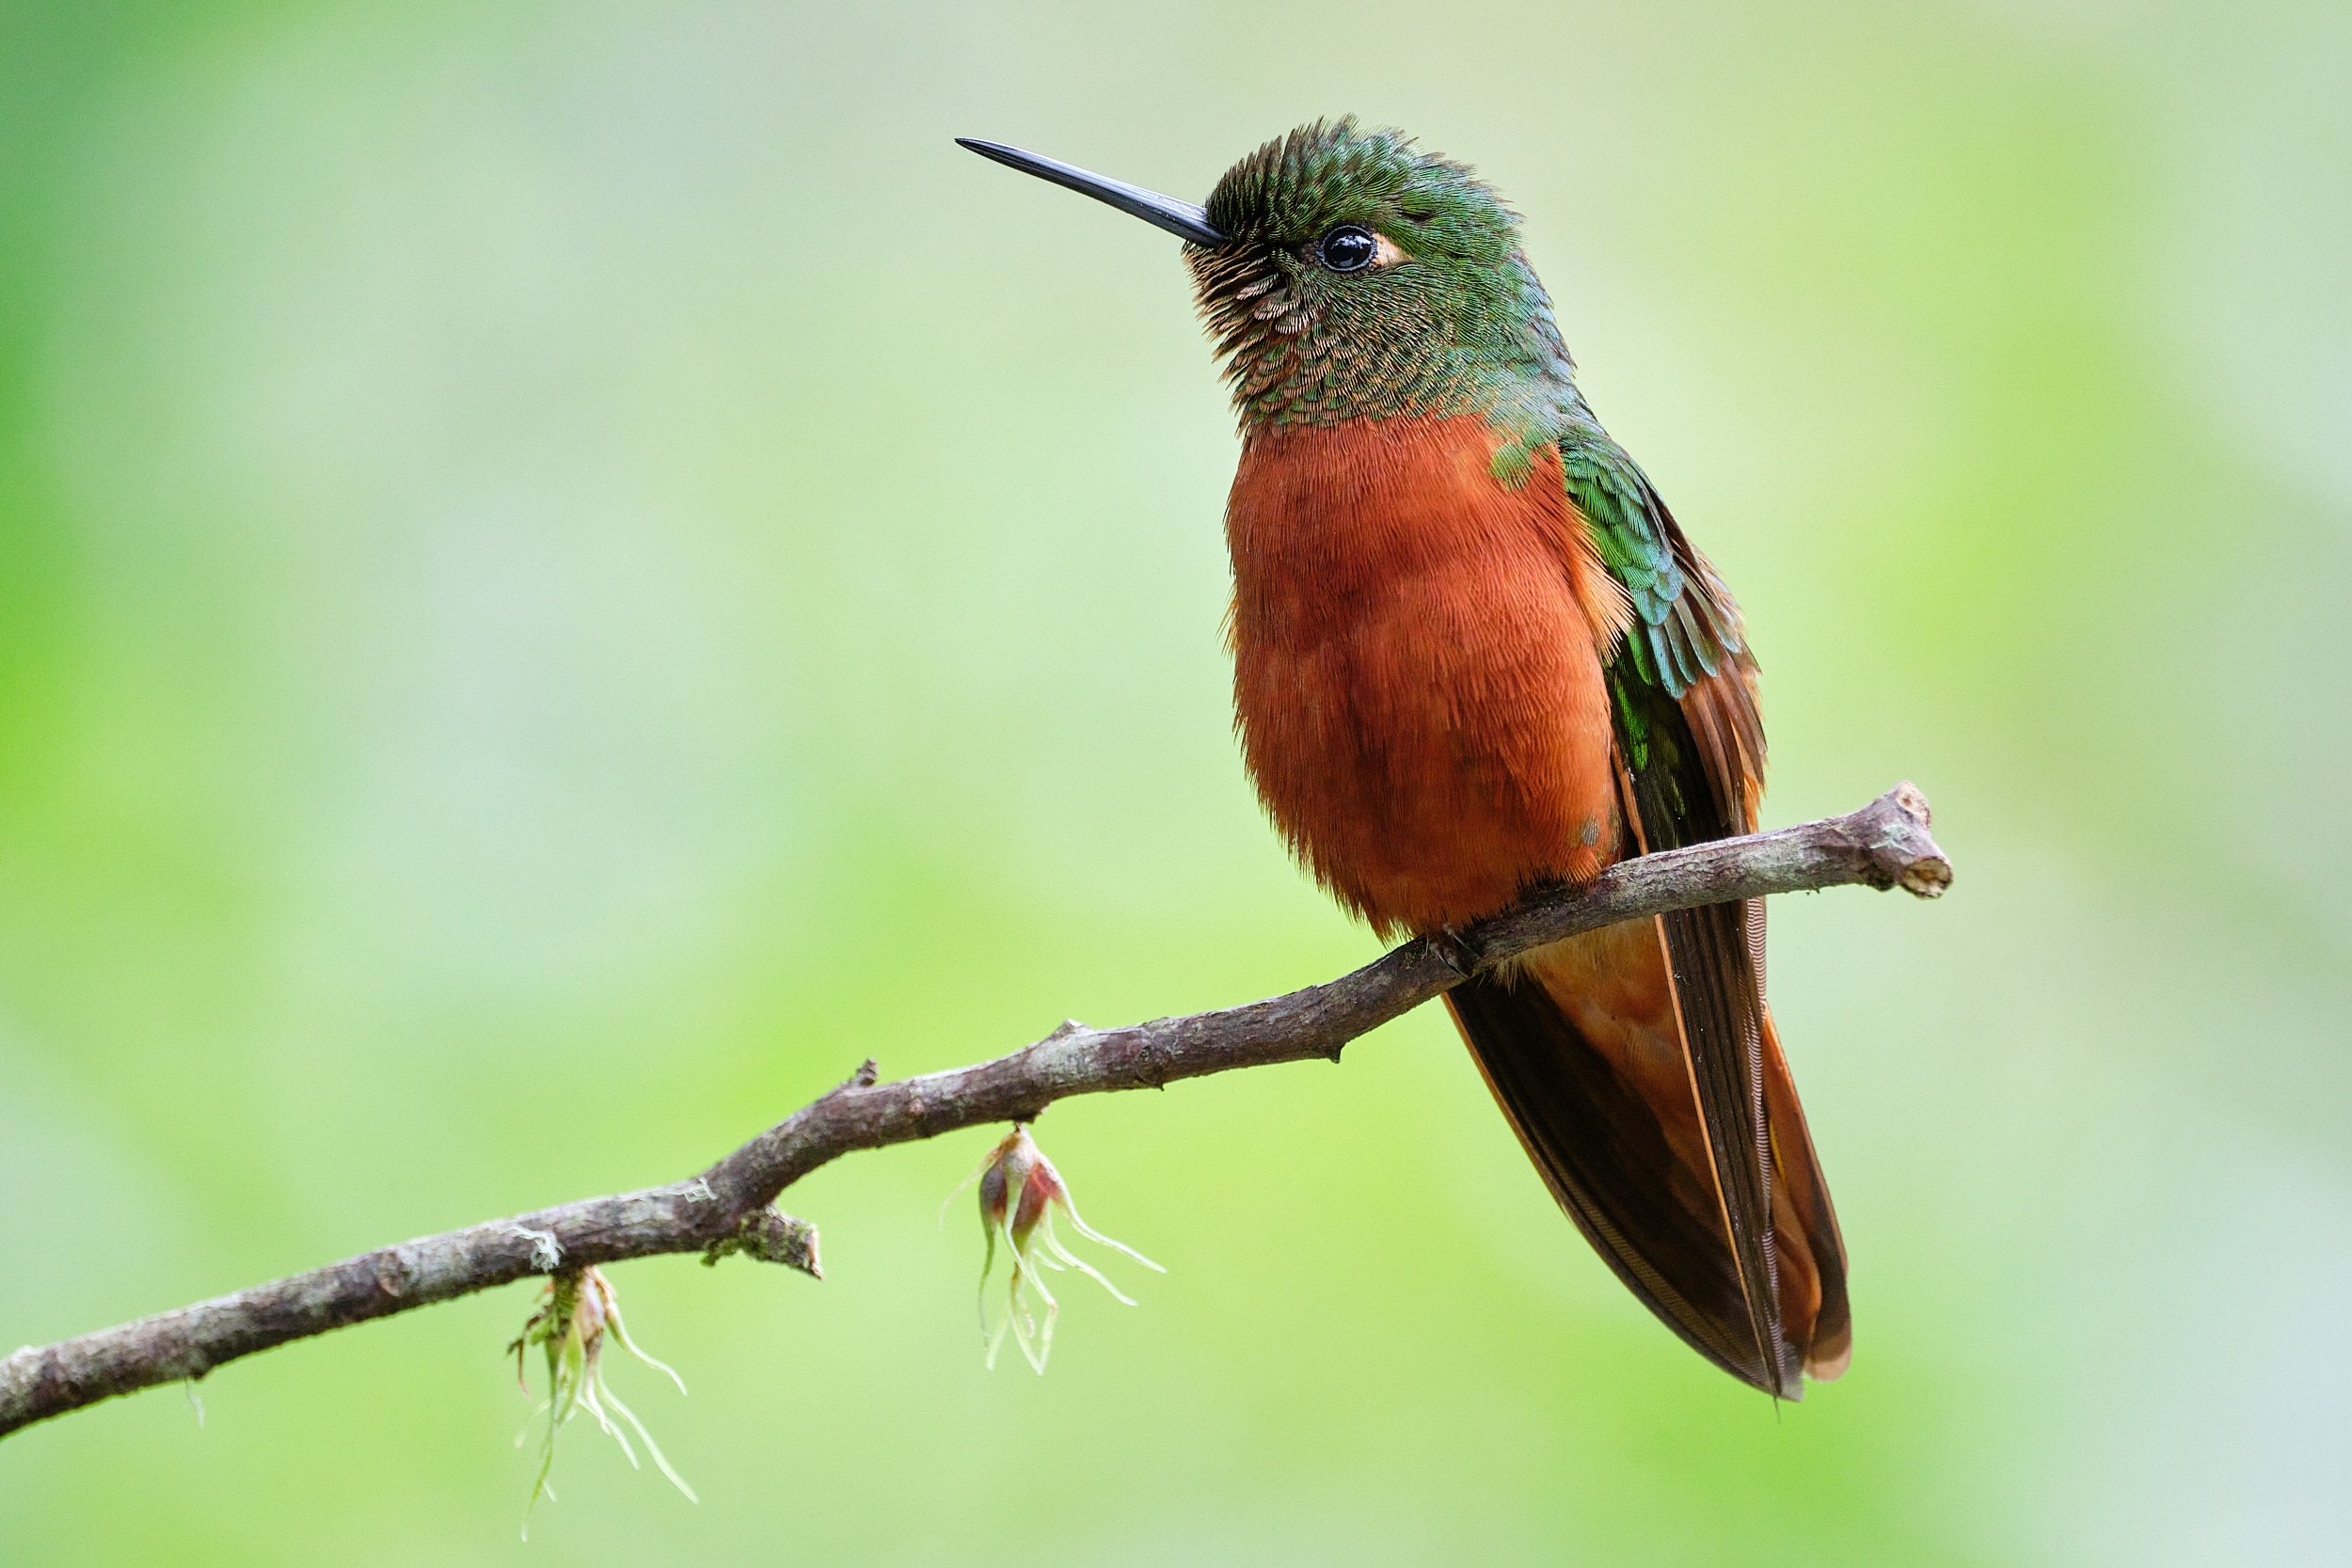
(1453, 950)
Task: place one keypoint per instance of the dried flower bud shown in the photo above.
(1020, 1193)
(577, 1315)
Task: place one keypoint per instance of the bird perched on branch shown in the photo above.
(1475, 656)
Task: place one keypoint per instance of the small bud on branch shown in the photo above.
(579, 1312)
(1021, 1192)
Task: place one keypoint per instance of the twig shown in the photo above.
(728, 1208)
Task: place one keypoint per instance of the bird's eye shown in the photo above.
(1350, 248)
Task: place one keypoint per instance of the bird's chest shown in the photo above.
(1415, 669)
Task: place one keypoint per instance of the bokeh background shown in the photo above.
(567, 571)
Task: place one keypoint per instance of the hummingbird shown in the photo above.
(1475, 657)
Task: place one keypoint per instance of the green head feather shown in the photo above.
(1447, 317)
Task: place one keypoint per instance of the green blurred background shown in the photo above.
(568, 571)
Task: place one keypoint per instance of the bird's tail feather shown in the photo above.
(1584, 1047)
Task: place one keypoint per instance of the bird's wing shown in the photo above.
(1690, 744)
(1685, 645)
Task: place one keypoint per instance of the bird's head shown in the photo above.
(1345, 273)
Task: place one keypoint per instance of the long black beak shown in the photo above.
(1180, 218)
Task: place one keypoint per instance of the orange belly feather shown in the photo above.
(1417, 666)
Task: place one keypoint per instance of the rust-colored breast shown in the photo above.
(1415, 671)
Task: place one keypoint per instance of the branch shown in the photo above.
(728, 1208)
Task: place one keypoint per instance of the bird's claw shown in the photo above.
(1453, 950)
